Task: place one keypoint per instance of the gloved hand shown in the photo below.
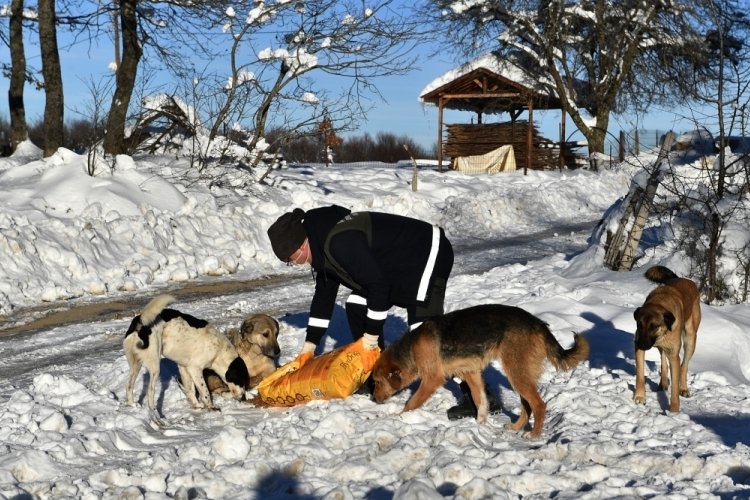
(307, 353)
(370, 342)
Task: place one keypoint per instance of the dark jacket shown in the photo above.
(382, 257)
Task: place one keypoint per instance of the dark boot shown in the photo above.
(467, 408)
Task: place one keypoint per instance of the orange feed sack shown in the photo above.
(333, 375)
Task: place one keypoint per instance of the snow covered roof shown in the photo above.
(490, 84)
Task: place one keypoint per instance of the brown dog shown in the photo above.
(669, 320)
(462, 343)
(257, 343)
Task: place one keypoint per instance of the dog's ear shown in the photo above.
(248, 326)
(234, 336)
(637, 313)
(668, 319)
(237, 373)
(394, 378)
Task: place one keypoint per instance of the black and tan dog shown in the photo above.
(667, 320)
(257, 344)
(194, 344)
(462, 343)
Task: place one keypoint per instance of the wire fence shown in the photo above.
(617, 146)
(633, 142)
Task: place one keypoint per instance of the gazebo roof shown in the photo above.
(489, 84)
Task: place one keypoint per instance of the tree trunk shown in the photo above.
(53, 86)
(596, 136)
(18, 131)
(114, 139)
(712, 258)
(262, 115)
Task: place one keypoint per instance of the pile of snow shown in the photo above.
(66, 431)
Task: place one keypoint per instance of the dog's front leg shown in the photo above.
(200, 384)
(639, 395)
(188, 386)
(666, 366)
(427, 386)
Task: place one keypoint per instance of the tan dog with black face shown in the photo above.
(257, 343)
(667, 320)
(462, 343)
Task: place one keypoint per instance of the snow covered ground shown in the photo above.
(66, 432)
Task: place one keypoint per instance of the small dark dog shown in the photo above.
(462, 343)
(257, 344)
(667, 320)
(194, 344)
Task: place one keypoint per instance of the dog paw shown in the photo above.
(512, 427)
(685, 393)
(639, 400)
(156, 421)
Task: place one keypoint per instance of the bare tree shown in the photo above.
(275, 87)
(152, 34)
(127, 69)
(87, 134)
(53, 86)
(18, 131)
(597, 55)
(719, 205)
(47, 17)
(275, 50)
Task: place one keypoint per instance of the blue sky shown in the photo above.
(400, 113)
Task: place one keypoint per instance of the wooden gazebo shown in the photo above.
(491, 85)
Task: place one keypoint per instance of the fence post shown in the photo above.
(637, 148)
(414, 178)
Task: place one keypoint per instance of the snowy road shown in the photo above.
(47, 336)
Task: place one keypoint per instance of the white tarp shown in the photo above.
(501, 159)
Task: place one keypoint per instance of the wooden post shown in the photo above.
(637, 149)
(621, 149)
(620, 253)
(414, 177)
(562, 140)
(529, 141)
(440, 135)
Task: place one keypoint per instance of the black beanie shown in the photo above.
(287, 234)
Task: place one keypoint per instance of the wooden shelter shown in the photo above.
(490, 85)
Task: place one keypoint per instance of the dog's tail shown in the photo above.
(660, 274)
(143, 323)
(154, 308)
(566, 359)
